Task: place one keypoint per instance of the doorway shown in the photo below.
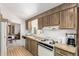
(13, 34)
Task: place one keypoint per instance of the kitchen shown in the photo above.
(52, 32)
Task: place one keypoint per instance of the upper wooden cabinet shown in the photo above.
(46, 21)
(28, 25)
(68, 18)
(54, 19)
(40, 23)
(64, 16)
(26, 22)
(49, 20)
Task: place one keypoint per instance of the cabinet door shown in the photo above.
(25, 43)
(28, 43)
(54, 19)
(26, 24)
(67, 18)
(34, 48)
(29, 25)
(40, 23)
(45, 21)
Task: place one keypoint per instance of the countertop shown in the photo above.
(66, 47)
(34, 38)
(58, 45)
(38, 39)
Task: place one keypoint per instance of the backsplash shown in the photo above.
(56, 34)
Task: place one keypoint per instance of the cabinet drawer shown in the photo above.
(63, 52)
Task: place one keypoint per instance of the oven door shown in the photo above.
(45, 50)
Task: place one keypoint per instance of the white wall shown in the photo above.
(13, 18)
(57, 35)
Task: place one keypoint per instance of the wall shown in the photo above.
(57, 35)
(13, 18)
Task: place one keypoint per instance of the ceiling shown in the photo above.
(28, 10)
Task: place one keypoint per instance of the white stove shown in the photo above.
(45, 48)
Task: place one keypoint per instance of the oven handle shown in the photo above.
(51, 49)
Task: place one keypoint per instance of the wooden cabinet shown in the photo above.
(40, 23)
(49, 20)
(43, 22)
(26, 23)
(61, 52)
(27, 45)
(68, 18)
(54, 19)
(29, 25)
(32, 46)
(46, 21)
(65, 17)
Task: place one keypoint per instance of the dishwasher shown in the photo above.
(45, 50)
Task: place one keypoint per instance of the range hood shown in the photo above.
(51, 28)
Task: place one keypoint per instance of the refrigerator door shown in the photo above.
(3, 38)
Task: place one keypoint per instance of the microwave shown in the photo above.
(71, 39)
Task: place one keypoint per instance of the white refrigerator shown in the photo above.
(3, 38)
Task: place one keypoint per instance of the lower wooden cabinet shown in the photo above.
(61, 52)
(32, 46)
(27, 45)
